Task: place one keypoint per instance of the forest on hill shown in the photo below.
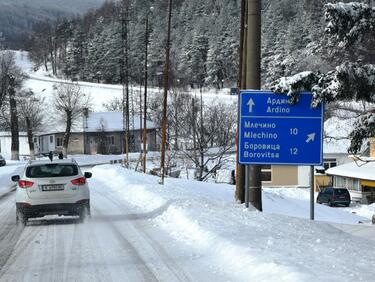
(18, 17)
(205, 42)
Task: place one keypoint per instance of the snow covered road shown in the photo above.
(116, 244)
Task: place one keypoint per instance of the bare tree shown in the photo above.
(11, 78)
(71, 102)
(113, 105)
(212, 135)
(198, 132)
(8, 69)
(30, 109)
(13, 117)
(44, 47)
(101, 137)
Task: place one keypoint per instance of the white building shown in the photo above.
(6, 143)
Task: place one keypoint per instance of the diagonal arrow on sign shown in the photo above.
(310, 137)
(251, 104)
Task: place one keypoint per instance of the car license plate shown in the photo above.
(52, 187)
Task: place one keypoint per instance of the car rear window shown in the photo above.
(51, 170)
(341, 191)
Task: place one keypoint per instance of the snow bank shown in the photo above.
(249, 245)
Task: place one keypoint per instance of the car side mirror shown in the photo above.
(16, 178)
(88, 174)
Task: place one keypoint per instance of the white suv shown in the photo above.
(52, 188)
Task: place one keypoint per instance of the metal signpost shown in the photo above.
(274, 132)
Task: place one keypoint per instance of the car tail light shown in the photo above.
(79, 181)
(25, 184)
(24, 205)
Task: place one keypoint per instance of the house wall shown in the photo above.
(358, 191)
(283, 176)
(152, 141)
(101, 142)
(321, 181)
(372, 147)
(75, 145)
(340, 158)
(6, 144)
(48, 143)
(300, 175)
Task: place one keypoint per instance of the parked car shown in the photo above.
(2, 161)
(334, 196)
(52, 188)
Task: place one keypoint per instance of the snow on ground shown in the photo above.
(41, 82)
(366, 211)
(280, 244)
(296, 202)
(251, 245)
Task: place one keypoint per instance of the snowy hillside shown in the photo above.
(41, 83)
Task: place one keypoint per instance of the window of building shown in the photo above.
(328, 163)
(35, 140)
(59, 141)
(51, 139)
(349, 183)
(109, 140)
(266, 173)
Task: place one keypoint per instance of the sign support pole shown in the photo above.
(247, 186)
(312, 192)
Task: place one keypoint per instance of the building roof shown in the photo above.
(112, 121)
(9, 134)
(359, 170)
(100, 121)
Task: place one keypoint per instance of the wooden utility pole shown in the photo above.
(166, 88)
(13, 117)
(125, 80)
(251, 47)
(240, 171)
(145, 100)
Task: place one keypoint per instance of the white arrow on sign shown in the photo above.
(310, 138)
(251, 104)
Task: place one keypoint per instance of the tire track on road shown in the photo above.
(172, 269)
(128, 247)
(10, 232)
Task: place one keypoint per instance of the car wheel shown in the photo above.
(347, 205)
(88, 211)
(330, 204)
(21, 219)
(317, 201)
(84, 212)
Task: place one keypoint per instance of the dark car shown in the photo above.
(334, 196)
(2, 161)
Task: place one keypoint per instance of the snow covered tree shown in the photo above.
(350, 24)
(76, 54)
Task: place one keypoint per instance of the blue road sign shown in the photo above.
(272, 131)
